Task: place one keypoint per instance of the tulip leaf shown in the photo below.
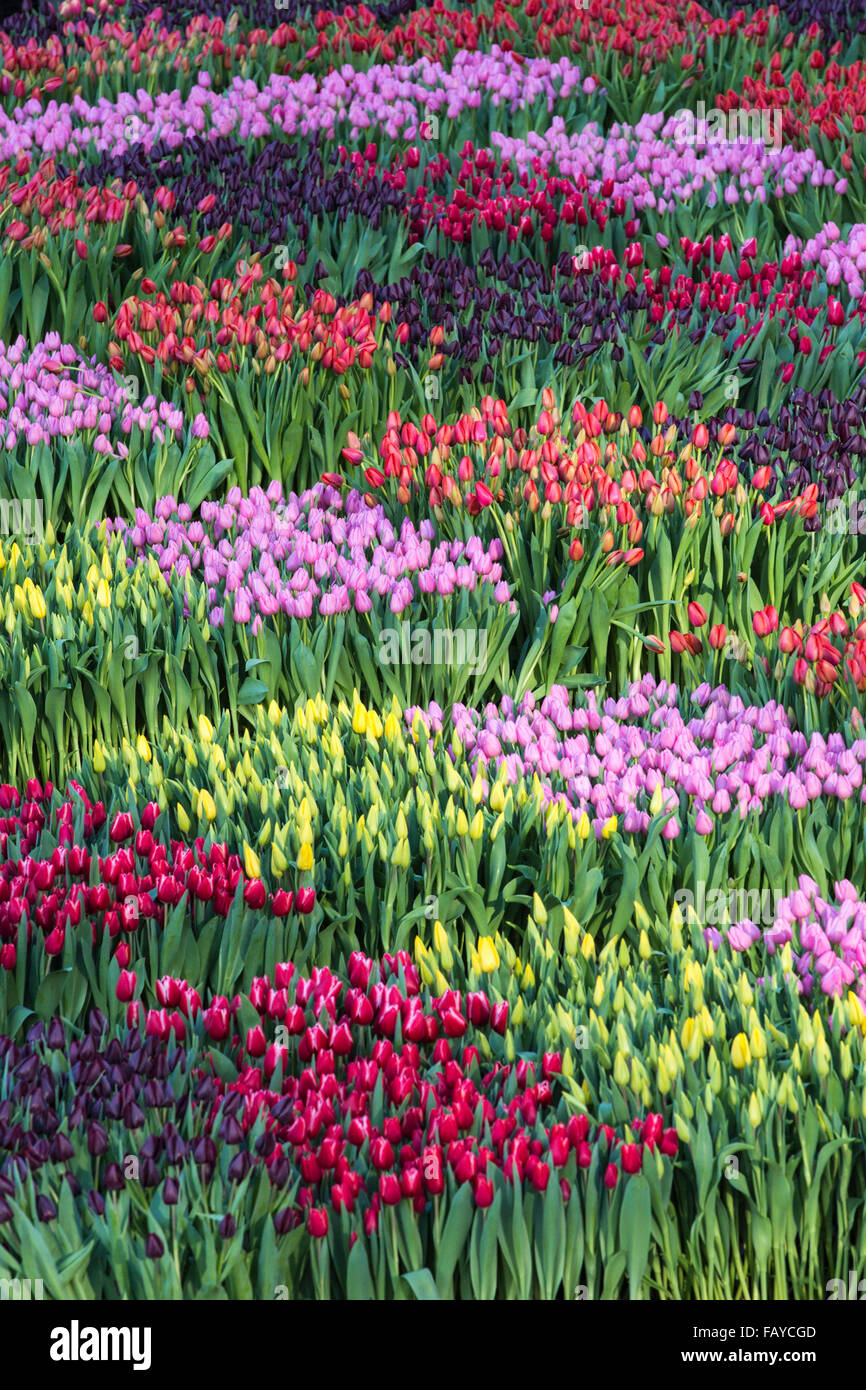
(359, 1284)
(423, 1285)
(51, 991)
(453, 1239)
(635, 1223)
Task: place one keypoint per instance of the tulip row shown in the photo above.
(395, 815)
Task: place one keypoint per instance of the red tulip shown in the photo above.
(483, 1191)
(255, 893)
(216, 1022)
(697, 615)
(611, 1176)
(389, 1189)
(670, 1141)
(652, 1132)
(157, 1024)
(53, 943)
(305, 899)
(538, 1173)
(125, 987)
(381, 1155)
(121, 827)
(630, 1157)
(499, 1018)
(317, 1222)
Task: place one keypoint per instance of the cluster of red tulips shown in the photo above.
(819, 661)
(139, 879)
(839, 94)
(488, 192)
(340, 1044)
(43, 201)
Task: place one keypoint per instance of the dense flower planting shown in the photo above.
(432, 649)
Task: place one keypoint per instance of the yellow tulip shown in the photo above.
(207, 806)
(36, 602)
(442, 945)
(252, 867)
(305, 858)
(205, 729)
(143, 748)
(755, 1111)
(644, 948)
(98, 757)
(609, 828)
(740, 1055)
(103, 594)
(583, 827)
(183, 820)
(487, 954)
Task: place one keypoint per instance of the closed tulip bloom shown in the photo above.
(611, 1176)
(389, 1189)
(630, 1158)
(697, 615)
(483, 1192)
(121, 828)
(317, 1222)
(487, 954)
(125, 987)
(669, 1143)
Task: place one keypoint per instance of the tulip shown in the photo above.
(389, 1189)
(697, 615)
(740, 1054)
(121, 828)
(125, 987)
(630, 1158)
(317, 1222)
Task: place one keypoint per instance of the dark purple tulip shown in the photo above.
(45, 1209)
(97, 1140)
(96, 1202)
(113, 1179)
